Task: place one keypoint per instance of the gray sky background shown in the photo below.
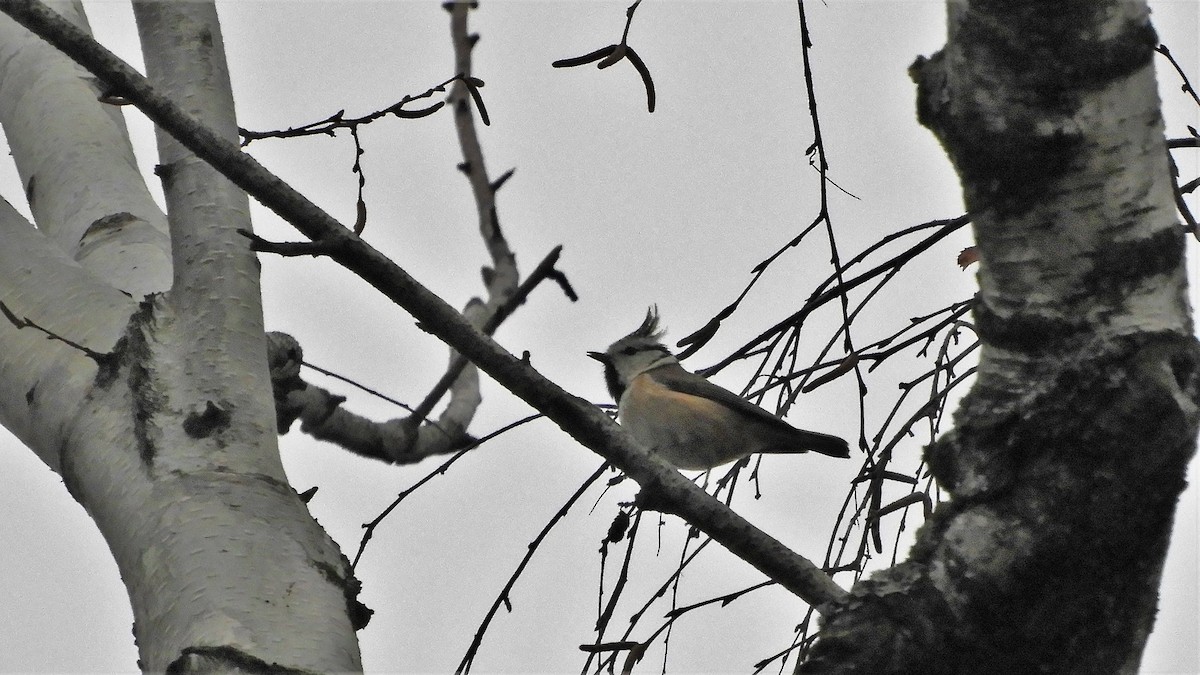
(673, 208)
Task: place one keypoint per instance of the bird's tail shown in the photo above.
(822, 443)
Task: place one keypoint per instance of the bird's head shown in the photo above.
(634, 354)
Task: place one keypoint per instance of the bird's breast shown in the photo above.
(691, 432)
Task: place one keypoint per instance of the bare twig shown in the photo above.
(607, 610)
(369, 528)
(1187, 85)
(700, 337)
(817, 149)
(503, 598)
(338, 120)
(290, 248)
(612, 54)
(720, 599)
(820, 297)
(103, 359)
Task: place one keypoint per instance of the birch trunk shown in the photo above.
(1070, 451)
(158, 412)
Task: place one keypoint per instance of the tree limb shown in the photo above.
(583, 421)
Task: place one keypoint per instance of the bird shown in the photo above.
(692, 423)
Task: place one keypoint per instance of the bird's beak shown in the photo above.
(599, 356)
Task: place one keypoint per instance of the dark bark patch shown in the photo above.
(1048, 48)
(212, 420)
(359, 614)
(225, 658)
(1008, 125)
(110, 223)
(1121, 263)
(1027, 333)
(146, 398)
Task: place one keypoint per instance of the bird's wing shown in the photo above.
(675, 377)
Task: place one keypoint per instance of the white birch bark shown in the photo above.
(164, 431)
(83, 189)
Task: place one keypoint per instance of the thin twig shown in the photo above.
(291, 248)
(502, 598)
(361, 387)
(821, 297)
(612, 54)
(338, 120)
(369, 528)
(102, 359)
(1187, 85)
(606, 614)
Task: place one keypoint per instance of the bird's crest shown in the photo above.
(649, 329)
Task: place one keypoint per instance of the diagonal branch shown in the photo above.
(663, 486)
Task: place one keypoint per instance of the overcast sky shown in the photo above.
(673, 208)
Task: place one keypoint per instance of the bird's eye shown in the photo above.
(629, 351)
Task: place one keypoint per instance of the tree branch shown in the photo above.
(407, 441)
(583, 421)
(396, 441)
